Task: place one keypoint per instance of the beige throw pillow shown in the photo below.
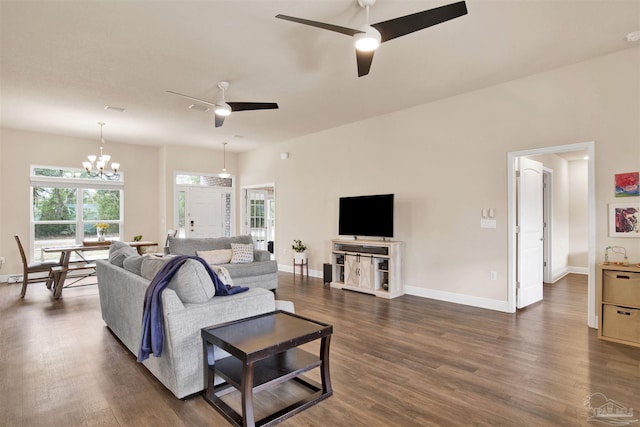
(223, 274)
(217, 256)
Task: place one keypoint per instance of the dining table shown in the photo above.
(58, 274)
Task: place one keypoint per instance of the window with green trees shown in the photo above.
(67, 205)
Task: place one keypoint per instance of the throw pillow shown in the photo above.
(133, 264)
(242, 253)
(217, 256)
(223, 274)
(118, 256)
(192, 283)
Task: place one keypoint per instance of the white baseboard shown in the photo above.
(479, 302)
(490, 304)
(11, 278)
(287, 268)
(578, 270)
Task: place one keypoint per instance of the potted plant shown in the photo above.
(300, 256)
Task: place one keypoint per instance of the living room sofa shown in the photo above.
(187, 307)
(259, 271)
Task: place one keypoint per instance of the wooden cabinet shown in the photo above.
(373, 267)
(619, 303)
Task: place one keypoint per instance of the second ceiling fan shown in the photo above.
(369, 37)
(222, 108)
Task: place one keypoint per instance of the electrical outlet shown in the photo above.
(494, 275)
(1, 260)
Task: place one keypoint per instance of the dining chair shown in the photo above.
(36, 267)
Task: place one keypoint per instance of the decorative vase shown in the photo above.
(101, 233)
(300, 257)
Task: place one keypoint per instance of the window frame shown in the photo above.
(80, 184)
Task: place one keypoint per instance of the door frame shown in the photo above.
(547, 195)
(512, 156)
(244, 221)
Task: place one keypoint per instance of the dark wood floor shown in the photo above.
(405, 362)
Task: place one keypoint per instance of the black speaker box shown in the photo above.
(327, 273)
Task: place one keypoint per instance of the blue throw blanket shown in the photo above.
(152, 318)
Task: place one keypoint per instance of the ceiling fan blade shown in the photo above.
(245, 106)
(192, 98)
(418, 21)
(330, 27)
(364, 62)
(219, 120)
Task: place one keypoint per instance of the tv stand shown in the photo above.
(369, 266)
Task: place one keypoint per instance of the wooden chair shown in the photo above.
(37, 267)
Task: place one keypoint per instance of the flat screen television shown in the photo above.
(367, 216)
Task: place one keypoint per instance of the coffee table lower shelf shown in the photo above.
(269, 372)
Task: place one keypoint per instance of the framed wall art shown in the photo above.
(624, 219)
(627, 184)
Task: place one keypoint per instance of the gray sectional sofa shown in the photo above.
(261, 271)
(187, 306)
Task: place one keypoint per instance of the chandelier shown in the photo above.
(96, 164)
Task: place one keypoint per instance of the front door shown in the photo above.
(530, 236)
(205, 214)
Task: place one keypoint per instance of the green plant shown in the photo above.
(298, 246)
(137, 238)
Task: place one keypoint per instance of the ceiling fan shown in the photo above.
(222, 108)
(369, 37)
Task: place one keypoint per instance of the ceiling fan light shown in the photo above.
(223, 109)
(224, 174)
(369, 40)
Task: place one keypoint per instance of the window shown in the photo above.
(66, 205)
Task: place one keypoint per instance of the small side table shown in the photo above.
(304, 264)
(264, 352)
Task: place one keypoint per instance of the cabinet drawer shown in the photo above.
(621, 323)
(621, 287)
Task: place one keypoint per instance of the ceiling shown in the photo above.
(64, 61)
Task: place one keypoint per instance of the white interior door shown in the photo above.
(205, 213)
(530, 245)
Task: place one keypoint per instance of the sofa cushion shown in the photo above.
(242, 253)
(118, 256)
(216, 256)
(192, 283)
(115, 245)
(133, 264)
(151, 265)
(252, 269)
(223, 274)
(190, 246)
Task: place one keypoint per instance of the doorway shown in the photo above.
(512, 160)
(259, 215)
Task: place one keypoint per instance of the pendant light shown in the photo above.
(224, 174)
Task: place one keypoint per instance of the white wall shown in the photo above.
(446, 160)
(578, 214)
(149, 171)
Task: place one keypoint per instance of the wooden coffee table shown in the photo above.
(264, 353)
